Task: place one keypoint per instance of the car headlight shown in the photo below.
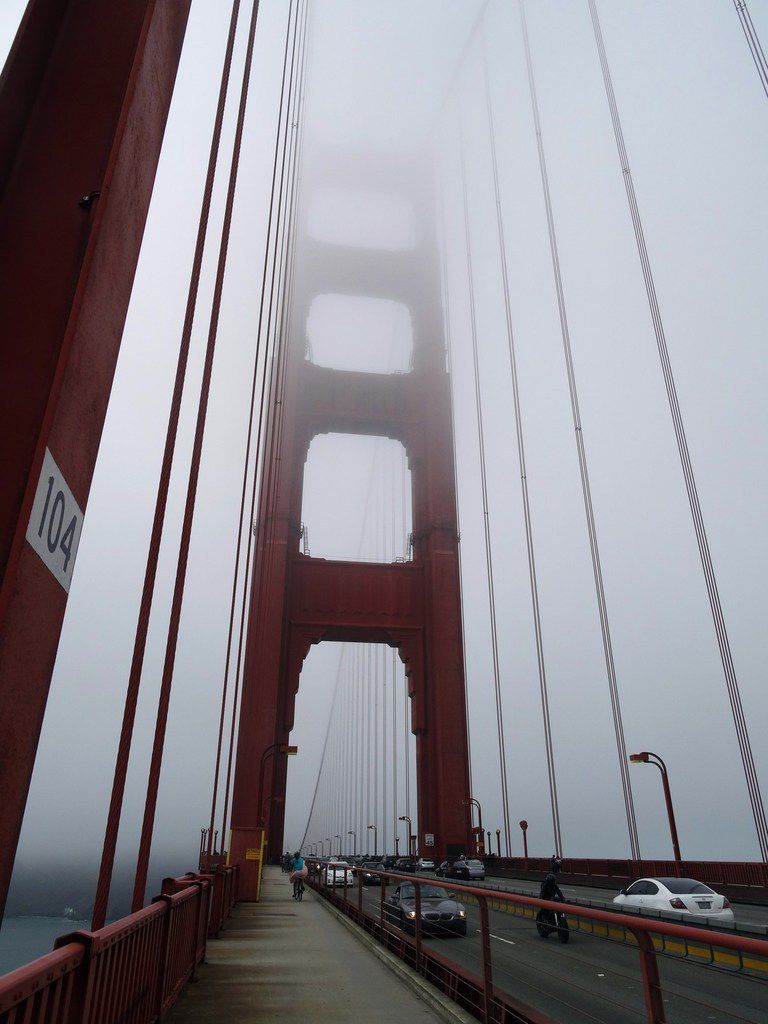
(411, 914)
(461, 913)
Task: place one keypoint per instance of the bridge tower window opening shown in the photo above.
(358, 763)
(356, 501)
(354, 332)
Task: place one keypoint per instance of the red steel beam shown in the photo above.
(84, 100)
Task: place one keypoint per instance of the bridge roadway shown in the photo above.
(592, 979)
(279, 961)
(749, 917)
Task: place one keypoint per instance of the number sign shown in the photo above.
(55, 523)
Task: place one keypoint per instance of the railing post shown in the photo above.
(360, 896)
(164, 951)
(485, 939)
(654, 1002)
(417, 923)
(382, 898)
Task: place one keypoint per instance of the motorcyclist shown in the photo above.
(550, 890)
(550, 920)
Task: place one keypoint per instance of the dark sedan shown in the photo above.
(440, 913)
(369, 867)
(466, 870)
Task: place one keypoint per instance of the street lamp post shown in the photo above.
(524, 830)
(280, 748)
(404, 817)
(472, 802)
(375, 840)
(352, 833)
(648, 757)
(498, 842)
(490, 850)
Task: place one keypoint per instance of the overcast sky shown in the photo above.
(696, 127)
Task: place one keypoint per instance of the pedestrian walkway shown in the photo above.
(287, 962)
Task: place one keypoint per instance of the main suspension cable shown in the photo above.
(532, 575)
(753, 42)
(726, 657)
(597, 571)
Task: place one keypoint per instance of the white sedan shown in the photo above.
(683, 895)
(338, 872)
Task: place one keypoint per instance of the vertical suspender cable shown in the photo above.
(145, 608)
(523, 473)
(246, 465)
(582, 456)
(449, 353)
(486, 514)
(153, 781)
(729, 670)
(753, 42)
(267, 376)
(325, 747)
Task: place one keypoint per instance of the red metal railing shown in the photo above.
(132, 970)
(477, 993)
(750, 874)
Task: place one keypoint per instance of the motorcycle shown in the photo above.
(548, 921)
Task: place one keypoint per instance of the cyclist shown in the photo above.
(298, 874)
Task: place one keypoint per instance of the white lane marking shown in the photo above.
(499, 938)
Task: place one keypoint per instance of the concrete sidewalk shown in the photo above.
(292, 963)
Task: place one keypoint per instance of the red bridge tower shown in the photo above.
(414, 606)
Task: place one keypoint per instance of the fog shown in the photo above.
(392, 78)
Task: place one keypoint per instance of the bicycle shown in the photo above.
(298, 889)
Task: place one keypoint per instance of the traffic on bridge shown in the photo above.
(382, 511)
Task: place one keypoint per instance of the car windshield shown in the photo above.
(474, 863)
(373, 865)
(428, 892)
(681, 886)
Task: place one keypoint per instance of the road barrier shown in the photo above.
(745, 880)
(131, 970)
(478, 994)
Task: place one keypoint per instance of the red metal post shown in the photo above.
(417, 924)
(654, 1000)
(83, 106)
(485, 939)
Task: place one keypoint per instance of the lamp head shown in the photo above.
(641, 758)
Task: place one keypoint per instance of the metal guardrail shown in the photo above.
(131, 970)
(747, 874)
(477, 994)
